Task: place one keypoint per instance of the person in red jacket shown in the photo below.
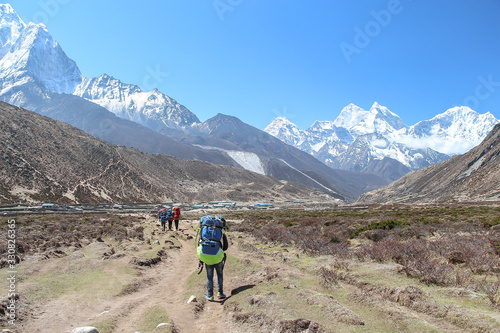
(177, 215)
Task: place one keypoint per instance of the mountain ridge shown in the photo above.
(384, 135)
(48, 160)
(473, 176)
(184, 137)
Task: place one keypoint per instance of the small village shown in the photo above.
(48, 207)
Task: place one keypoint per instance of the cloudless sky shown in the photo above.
(302, 59)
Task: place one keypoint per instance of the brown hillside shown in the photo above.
(42, 159)
(473, 176)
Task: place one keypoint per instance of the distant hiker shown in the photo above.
(162, 216)
(211, 243)
(177, 215)
(170, 217)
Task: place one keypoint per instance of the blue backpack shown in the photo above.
(210, 247)
(162, 214)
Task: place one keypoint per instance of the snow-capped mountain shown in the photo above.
(35, 55)
(34, 68)
(10, 28)
(376, 120)
(151, 109)
(359, 140)
(29, 53)
(39, 76)
(455, 131)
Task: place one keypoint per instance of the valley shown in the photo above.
(378, 268)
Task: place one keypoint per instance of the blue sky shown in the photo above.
(305, 60)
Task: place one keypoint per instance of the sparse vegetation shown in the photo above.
(152, 318)
(379, 269)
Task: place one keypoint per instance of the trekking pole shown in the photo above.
(200, 266)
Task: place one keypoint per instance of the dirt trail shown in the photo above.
(162, 285)
(169, 291)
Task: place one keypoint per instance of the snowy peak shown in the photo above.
(377, 120)
(384, 115)
(11, 27)
(282, 126)
(360, 140)
(151, 109)
(459, 122)
(104, 86)
(455, 131)
(30, 53)
(350, 116)
(35, 53)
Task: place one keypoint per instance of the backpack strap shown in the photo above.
(200, 264)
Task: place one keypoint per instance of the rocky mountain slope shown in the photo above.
(473, 176)
(377, 140)
(47, 160)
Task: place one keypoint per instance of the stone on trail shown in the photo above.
(86, 329)
(192, 299)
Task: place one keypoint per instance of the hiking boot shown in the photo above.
(221, 295)
(209, 298)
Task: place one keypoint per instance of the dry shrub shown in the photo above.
(463, 278)
(246, 246)
(300, 325)
(376, 235)
(492, 291)
(341, 264)
(407, 295)
(340, 250)
(384, 250)
(430, 272)
(327, 278)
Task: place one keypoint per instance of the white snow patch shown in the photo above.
(472, 168)
(248, 161)
(317, 146)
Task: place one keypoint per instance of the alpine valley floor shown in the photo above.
(358, 269)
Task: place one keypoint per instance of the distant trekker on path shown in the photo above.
(170, 217)
(177, 215)
(211, 243)
(162, 216)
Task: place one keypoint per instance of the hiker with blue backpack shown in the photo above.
(162, 216)
(211, 243)
(170, 217)
(165, 216)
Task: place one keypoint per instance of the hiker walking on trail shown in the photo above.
(170, 216)
(162, 216)
(211, 243)
(177, 215)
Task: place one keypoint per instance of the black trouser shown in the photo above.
(176, 224)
